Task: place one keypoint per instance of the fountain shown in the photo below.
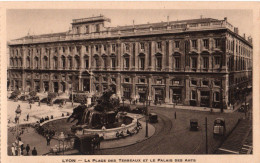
(103, 118)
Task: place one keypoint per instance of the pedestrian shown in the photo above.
(27, 148)
(34, 152)
(27, 117)
(22, 148)
(48, 139)
(30, 106)
(39, 103)
(175, 115)
(13, 150)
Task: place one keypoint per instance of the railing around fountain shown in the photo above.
(108, 134)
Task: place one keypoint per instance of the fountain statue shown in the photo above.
(95, 117)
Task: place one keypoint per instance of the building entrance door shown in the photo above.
(176, 95)
(204, 102)
(63, 86)
(37, 86)
(159, 95)
(46, 86)
(56, 87)
(142, 97)
(86, 85)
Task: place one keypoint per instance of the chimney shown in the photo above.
(249, 39)
(244, 36)
(236, 30)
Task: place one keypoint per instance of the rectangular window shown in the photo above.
(205, 62)
(177, 62)
(159, 62)
(206, 43)
(78, 49)
(70, 48)
(105, 47)
(194, 44)
(127, 62)
(142, 62)
(126, 80)
(96, 47)
(105, 79)
(193, 82)
(113, 48)
(97, 28)
(113, 62)
(159, 45)
(87, 29)
(217, 43)
(177, 44)
(205, 83)
(142, 46)
(194, 63)
(63, 49)
(159, 81)
(87, 49)
(193, 95)
(217, 83)
(175, 82)
(142, 80)
(127, 47)
(113, 79)
(216, 97)
(217, 60)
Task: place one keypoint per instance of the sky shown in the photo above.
(43, 21)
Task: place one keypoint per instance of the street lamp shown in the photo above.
(61, 138)
(18, 112)
(123, 99)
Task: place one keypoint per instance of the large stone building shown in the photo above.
(200, 62)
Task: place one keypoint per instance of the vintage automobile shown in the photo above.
(194, 125)
(244, 107)
(153, 118)
(219, 127)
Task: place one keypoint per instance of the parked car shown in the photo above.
(219, 127)
(153, 118)
(137, 111)
(60, 101)
(34, 99)
(244, 107)
(194, 125)
(44, 100)
(23, 98)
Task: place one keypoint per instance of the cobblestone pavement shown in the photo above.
(173, 136)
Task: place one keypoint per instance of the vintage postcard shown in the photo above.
(129, 82)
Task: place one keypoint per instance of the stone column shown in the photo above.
(133, 93)
(118, 85)
(170, 56)
(167, 88)
(187, 90)
(153, 55)
(136, 56)
(164, 57)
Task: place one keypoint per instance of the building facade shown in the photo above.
(198, 62)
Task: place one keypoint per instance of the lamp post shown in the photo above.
(123, 99)
(18, 112)
(61, 138)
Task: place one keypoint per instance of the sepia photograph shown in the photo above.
(129, 82)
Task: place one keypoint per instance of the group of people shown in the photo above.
(19, 149)
(45, 119)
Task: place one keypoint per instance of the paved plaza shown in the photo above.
(168, 136)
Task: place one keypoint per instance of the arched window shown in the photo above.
(36, 62)
(45, 62)
(55, 62)
(63, 62)
(86, 59)
(113, 61)
(77, 62)
(70, 62)
(104, 57)
(141, 61)
(158, 65)
(126, 61)
(28, 62)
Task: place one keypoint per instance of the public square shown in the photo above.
(169, 135)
